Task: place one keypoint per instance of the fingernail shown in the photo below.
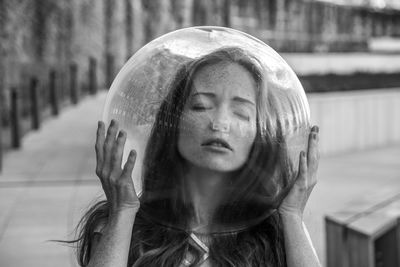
(303, 154)
(132, 153)
(314, 135)
(316, 129)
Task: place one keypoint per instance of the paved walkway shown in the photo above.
(45, 187)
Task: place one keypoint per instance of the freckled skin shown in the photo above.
(221, 84)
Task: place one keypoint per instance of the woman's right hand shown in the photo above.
(116, 181)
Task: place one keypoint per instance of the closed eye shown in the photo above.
(242, 116)
(199, 108)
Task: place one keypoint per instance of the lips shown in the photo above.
(217, 142)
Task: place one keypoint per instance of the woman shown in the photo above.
(213, 162)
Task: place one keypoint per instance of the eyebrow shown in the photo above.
(236, 98)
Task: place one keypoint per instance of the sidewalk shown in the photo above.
(45, 187)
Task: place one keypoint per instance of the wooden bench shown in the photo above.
(366, 233)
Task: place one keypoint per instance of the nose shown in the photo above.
(221, 126)
(221, 121)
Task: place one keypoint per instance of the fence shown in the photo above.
(356, 120)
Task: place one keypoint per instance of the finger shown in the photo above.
(108, 146)
(313, 149)
(130, 163)
(100, 137)
(302, 175)
(117, 153)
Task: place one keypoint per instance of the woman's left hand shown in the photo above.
(295, 202)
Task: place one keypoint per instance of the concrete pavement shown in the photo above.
(45, 187)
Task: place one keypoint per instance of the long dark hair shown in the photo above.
(259, 188)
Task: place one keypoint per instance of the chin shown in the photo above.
(219, 165)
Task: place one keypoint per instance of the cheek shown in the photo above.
(246, 131)
(190, 128)
(246, 136)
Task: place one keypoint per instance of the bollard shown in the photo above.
(59, 86)
(35, 112)
(109, 70)
(15, 120)
(227, 13)
(92, 76)
(1, 137)
(73, 83)
(53, 93)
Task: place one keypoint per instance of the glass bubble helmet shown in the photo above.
(145, 80)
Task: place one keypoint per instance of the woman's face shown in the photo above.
(218, 124)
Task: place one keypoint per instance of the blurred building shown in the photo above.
(317, 25)
(38, 35)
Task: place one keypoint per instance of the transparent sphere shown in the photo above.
(213, 108)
